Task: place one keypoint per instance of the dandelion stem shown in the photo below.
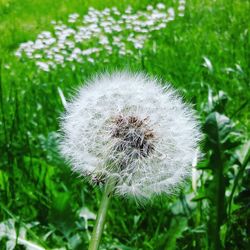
(101, 216)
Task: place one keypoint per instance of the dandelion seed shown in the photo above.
(126, 127)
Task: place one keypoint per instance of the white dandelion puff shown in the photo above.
(128, 128)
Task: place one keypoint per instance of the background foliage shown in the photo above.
(205, 55)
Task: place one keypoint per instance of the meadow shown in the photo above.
(49, 48)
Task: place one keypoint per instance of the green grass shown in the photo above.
(35, 184)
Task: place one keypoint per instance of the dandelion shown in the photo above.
(127, 132)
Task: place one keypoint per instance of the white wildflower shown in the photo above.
(149, 7)
(103, 40)
(18, 53)
(138, 45)
(183, 2)
(171, 13)
(43, 66)
(73, 17)
(122, 52)
(129, 128)
(59, 58)
(91, 60)
(160, 6)
(99, 27)
(181, 7)
(38, 56)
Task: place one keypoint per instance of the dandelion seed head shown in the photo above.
(129, 128)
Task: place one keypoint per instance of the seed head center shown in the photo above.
(134, 136)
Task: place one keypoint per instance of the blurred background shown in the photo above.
(49, 48)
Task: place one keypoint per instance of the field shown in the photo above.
(202, 50)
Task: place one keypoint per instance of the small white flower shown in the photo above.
(59, 58)
(18, 53)
(128, 10)
(122, 52)
(73, 17)
(160, 6)
(103, 40)
(91, 60)
(138, 45)
(171, 13)
(43, 66)
(37, 56)
(129, 128)
(98, 25)
(181, 7)
(149, 7)
(161, 26)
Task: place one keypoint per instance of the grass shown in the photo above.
(35, 184)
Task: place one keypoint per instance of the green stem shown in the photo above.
(101, 216)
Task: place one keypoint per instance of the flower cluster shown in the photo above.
(128, 128)
(83, 39)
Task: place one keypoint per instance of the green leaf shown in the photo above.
(217, 102)
(176, 229)
(243, 153)
(200, 196)
(223, 233)
(217, 127)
